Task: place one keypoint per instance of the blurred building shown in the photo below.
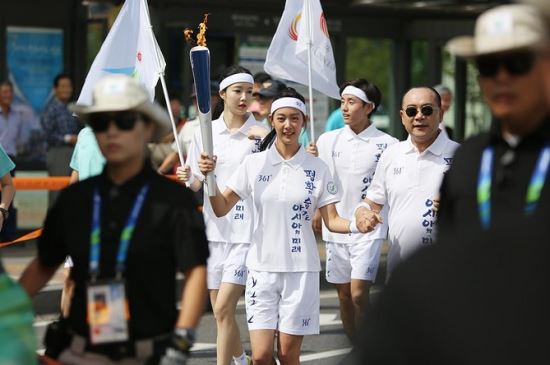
(394, 43)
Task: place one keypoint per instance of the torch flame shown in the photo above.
(201, 36)
(187, 32)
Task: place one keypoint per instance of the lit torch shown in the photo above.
(200, 66)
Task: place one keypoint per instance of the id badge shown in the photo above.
(107, 312)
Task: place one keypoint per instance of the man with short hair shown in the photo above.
(61, 130)
(500, 177)
(446, 100)
(265, 96)
(446, 97)
(408, 176)
(129, 231)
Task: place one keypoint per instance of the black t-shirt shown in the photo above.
(511, 175)
(484, 301)
(169, 237)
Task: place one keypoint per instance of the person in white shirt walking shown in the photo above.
(352, 153)
(229, 237)
(286, 185)
(408, 177)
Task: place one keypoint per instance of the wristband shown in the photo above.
(192, 178)
(67, 138)
(362, 205)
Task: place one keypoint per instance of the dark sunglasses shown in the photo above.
(125, 121)
(516, 64)
(426, 110)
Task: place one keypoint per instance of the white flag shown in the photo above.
(130, 48)
(287, 54)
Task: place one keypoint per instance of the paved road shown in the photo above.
(328, 348)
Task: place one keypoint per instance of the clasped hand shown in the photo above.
(367, 220)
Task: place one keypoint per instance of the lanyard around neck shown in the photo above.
(125, 236)
(534, 190)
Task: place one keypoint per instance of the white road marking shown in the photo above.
(203, 347)
(38, 324)
(329, 319)
(196, 347)
(324, 355)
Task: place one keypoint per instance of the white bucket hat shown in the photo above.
(117, 93)
(502, 29)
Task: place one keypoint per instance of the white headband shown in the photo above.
(288, 103)
(355, 91)
(233, 79)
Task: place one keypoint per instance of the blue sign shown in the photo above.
(34, 57)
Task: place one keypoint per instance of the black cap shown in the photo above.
(214, 89)
(270, 89)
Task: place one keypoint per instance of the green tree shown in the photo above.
(370, 59)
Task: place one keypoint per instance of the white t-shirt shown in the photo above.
(231, 149)
(443, 130)
(186, 135)
(407, 182)
(285, 195)
(352, 160)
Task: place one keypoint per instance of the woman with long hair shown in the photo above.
(229, 237)
(286, 185)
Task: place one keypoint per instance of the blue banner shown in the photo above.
(34, 58)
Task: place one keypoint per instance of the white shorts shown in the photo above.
(352, 261)
(284, 301)
(226, 264)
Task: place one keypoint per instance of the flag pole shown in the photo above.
(174, 129)
(309, 76)
(164, 88)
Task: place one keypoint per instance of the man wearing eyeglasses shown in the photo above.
(408, 177)
(128, 232)
(454, 303)
(499, 178)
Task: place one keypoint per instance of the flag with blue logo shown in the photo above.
(130, 48)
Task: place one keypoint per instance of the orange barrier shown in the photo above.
(41, 183)
(46, 183)
(50, 183)
(29, 236)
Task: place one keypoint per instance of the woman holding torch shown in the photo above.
(286, 185)
(229, 236)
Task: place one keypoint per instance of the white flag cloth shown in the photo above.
(130, 48)
(287, 54)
